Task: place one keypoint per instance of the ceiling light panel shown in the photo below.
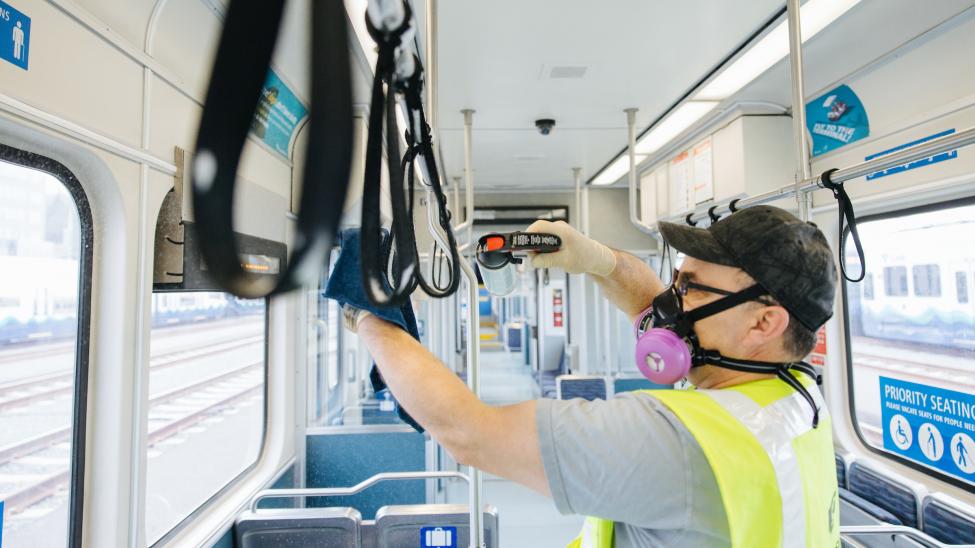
(617, 169)
(773, 47)
(673, 125)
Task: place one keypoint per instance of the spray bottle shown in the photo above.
(495, 256)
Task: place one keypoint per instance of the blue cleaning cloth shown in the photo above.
(345, 286)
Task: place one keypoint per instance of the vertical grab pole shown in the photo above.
(631, 175)
(473, 324)
(473, 372)
(469, 176)
(577, 177)
(457, 206)
(474, 384)
(803, 169)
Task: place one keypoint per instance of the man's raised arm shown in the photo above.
(627, 282)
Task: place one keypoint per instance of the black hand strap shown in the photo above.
(239, 72)
(422, 146)
(845, 214)
(383, 109)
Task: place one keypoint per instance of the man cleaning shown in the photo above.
(744, 460)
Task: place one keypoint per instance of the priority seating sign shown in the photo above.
(930, 425)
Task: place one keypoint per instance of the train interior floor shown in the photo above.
(506, 379)
(527, 518)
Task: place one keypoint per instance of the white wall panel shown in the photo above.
(77, 76)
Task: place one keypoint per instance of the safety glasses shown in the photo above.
(682, 286)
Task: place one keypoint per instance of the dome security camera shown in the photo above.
(545, 125)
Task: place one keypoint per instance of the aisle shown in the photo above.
(504, 379)
(527, 519)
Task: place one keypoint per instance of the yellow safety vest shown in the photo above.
(775, 473)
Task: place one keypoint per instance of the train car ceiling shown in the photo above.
(514, 70)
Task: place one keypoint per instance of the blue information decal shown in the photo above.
(949, 155)
(277, 116)
(1, 523)
(438, 537)
(836, 119)
(929, 425)
(14, 35)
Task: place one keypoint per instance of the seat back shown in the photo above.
(631, 384)
(947, 520)
(587, 387)
(896, 497)
(428, 525)
(855, 510)
(840, 470)
(319, 527)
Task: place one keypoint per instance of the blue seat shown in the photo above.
(947, 523)
(897, 498)
(856, 510)
(630, 384)
(397, 526)
(840, 471)
(580, 386)
(325, 527)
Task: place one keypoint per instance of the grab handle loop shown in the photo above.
(232, 97)
(405, 272)
(383, 113)
(711, 214)
(846, 215)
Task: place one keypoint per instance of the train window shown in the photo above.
(961, 286)
(910, 351)
(895, 281)
(207, 371)
(927, 280)
(324, 371)
(45, 257)
(868, 287)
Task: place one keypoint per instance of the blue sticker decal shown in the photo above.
(438, 537)
(14, 35)
(950, 155)
(835, 119)
(277, 116)
(929, 425)
(1, 523)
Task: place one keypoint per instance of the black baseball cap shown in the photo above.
(791, 259)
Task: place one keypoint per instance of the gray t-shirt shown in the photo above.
(629, 459)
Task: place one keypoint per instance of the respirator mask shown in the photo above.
(667, 346)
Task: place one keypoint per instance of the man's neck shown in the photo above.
(713, 377)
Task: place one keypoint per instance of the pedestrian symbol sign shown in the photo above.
(930, 425)
(963, 452)
(14, 35)
(438, 537)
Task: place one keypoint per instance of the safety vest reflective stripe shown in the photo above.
(774, 472)
(775, 426)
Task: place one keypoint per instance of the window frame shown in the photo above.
(192, 516)
(848, 348)
(79, 414)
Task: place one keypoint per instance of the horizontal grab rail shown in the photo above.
(347, 491)
(880, 163)
(911, 532)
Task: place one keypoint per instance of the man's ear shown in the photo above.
(770, 322)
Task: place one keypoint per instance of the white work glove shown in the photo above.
(578, 254)
(352, 317)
